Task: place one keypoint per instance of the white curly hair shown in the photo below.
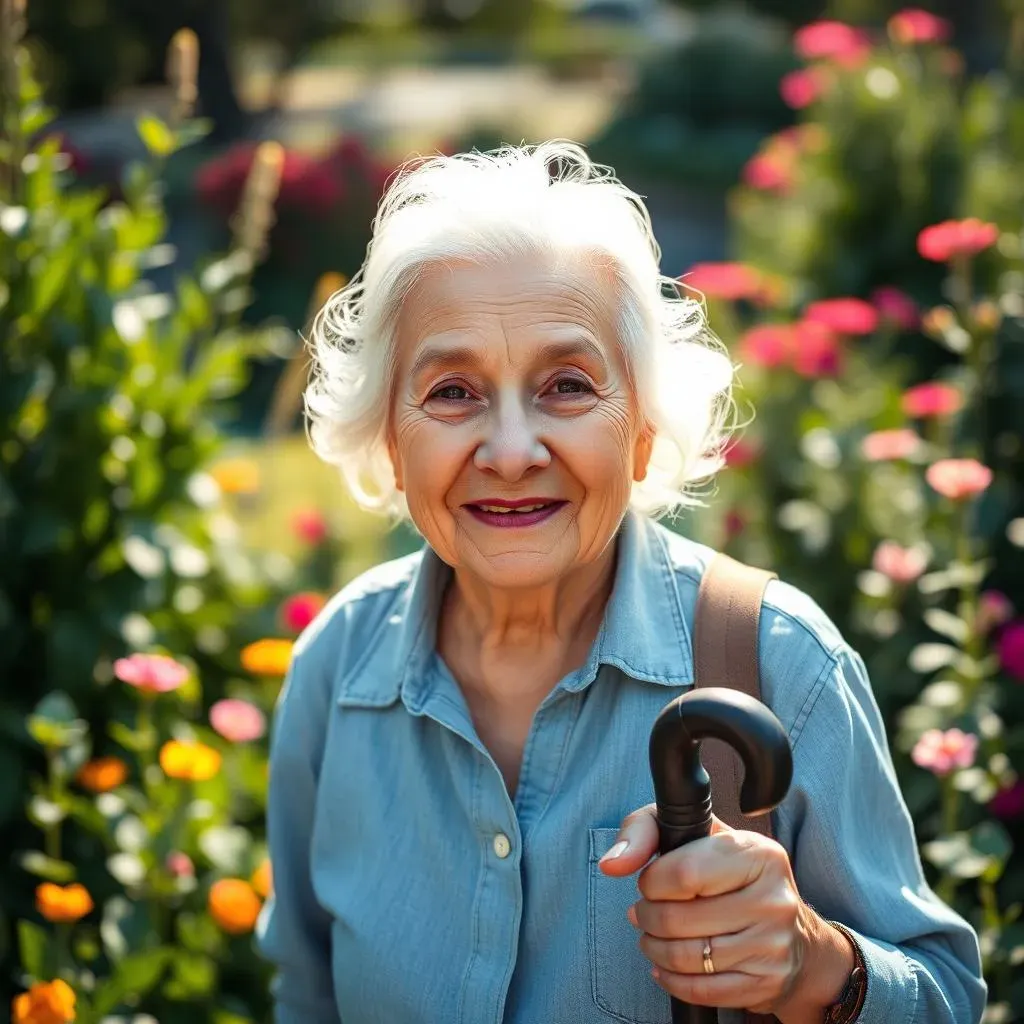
(544, 200)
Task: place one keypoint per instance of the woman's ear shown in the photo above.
(642, 449)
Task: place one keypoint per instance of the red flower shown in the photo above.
(724, 280)
(299, 610)
(845, 316)
(914, 25)
(816, 350)
(932, 399)
(767, 345)
(958, 479)
(896, 307)
(885, 445)
(734, 524)
(801, 88)
(773, 167)
(1010, 648)
(832, 40)
(310, 526)
(953, 238)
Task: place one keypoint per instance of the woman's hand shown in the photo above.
(771, 952)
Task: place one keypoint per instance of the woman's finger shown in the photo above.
(694, 919)
(686, 956)
(639, 833)
(732, 989)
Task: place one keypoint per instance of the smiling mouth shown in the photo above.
(515, 514)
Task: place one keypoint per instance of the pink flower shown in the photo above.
(1010, 648)
(152, 673)
(956, 238)
(1009, 801)
(994, 609)
(896, 307)
(914, 25)
(310, 526)
(724, 280)
(958, 479)
(237, 720)
(886, 445)
(901, 565)
(299, 610)
(932, 399)
(940, 752)
(816, 350)
(845, 316)
(769, 172)
(741, 453)
(801, 88)
(767, 345)
(180, 864)
(831, 40)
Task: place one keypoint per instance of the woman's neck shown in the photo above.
(490, 636)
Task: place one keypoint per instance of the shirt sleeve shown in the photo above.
(294, 931)
(855, 859)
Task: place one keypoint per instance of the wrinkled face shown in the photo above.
(514, 432)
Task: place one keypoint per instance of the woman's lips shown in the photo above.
(517, 517)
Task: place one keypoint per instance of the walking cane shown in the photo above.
(682, 787)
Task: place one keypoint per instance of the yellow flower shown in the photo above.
(194, 762)
(237, 476)
(46, 1002)
(102, 774)
(262, 879)
(267, 657)
(63, 902)
(234, 905)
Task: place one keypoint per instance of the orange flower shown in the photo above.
(63, 902)
(237, 476)
(46, 1002)
(958, 479)
(262, 879)
(102, 774)
(234, 905)
(194, 762)
(267, 657)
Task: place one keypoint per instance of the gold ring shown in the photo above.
(709, 964)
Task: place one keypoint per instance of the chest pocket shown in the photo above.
(620, 974)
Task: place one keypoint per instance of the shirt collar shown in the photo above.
(644, 632)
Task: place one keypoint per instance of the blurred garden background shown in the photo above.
(181, 187)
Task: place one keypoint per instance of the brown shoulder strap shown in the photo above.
(725, 654)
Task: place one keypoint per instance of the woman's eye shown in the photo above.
(571, 386)
(450, 393)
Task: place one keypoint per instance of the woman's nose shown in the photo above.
(512, 445)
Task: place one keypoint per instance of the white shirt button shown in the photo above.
(502, 847)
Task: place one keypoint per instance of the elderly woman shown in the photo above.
(460, 817)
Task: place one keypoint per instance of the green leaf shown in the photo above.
(133, 976)
(32, 948)
(126, 737)
(159, 139)
(946, 624)
(194, 975)
(37, 863)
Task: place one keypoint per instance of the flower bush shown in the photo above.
(888, 479)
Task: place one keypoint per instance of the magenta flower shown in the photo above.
(1008, 801)
(994, 609)
(901, 565)
(237, 720)
(299, 610)
(940, 752)
(896, 307)
(152, 673)
(1010, 648)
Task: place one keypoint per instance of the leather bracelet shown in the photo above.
(847, 1009)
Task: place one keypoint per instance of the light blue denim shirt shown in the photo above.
(409, 888)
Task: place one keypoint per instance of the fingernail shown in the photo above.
(631, 914)
(617, 850)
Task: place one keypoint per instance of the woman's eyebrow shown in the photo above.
(435, 357)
